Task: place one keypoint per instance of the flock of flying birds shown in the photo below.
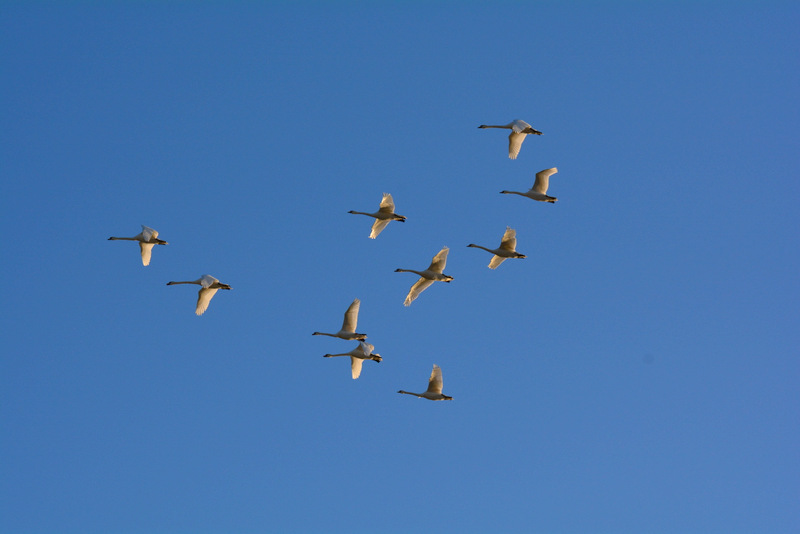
(209, 285)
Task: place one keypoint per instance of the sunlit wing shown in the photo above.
(543, 180)
(365, 348)
(207, 280)
(496, 261)
(421, 285)
(509, 241)
(203, 299)
(147, 251)
(387, 204)
(515, 140)
(351, 317)
(377, 227)
(355, 366)
(439, 261)
(435, 383)
(148, 233)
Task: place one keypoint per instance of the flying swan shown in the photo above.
(539, 189)
(349, 325)
(519, 129)
(357, 356)
(209, 288)
(434, 391)
(428, 276)
(506, 250)
(383, 216)
(147, 238)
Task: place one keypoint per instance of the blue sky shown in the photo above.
(636, 373)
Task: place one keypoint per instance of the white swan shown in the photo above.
(209, 288)
(349, 325)
(434, 391)
(383, 216)
(519, 129)
(357, 356)
(429, 276)
(147, 238)
(506, 250)
(539, 189)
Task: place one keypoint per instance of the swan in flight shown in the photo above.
(519, 129)
(209, 288)
(507, 248)
(429, 276)
(147, 238)
(357, 356)
(539, 189)
(434, 391)
(383, 216)
(348, 330)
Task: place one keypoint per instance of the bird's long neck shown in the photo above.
(408, 271)
(478, 246)
(362, 213)
(410, 393)
(512, 193)
(495, 126)
(334, 355)
(323, 334)
(187, 282)
(122, 239)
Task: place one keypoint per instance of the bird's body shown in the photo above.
(349, 325)
(506, 250)
(519, 129)
(432, 274)
(539, 189)
(435, 384)
(209, 287)
(383, 216)
(357, 356)
(147, 239)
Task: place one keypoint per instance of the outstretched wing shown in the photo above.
(147, 251)
(543, 180)
(515, 140)
(377, 227)
(351, 317)
(439, 261)
(203, 299)
(496, 261)
(421, 285)
(355, 366)
(509, 241)
(435, 383)
(207, 280)
(148, 233)
(387, 204)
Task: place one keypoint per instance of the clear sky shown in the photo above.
(636, 373)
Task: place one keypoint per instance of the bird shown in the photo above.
(429, 276)
(348, 330)
(209, 288)
(506, 250)
(434, 391)
(539, 189)
(147, 238)
(357, 356)
(519, 129)
(383, 216)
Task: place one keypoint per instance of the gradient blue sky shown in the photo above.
(636, 373)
